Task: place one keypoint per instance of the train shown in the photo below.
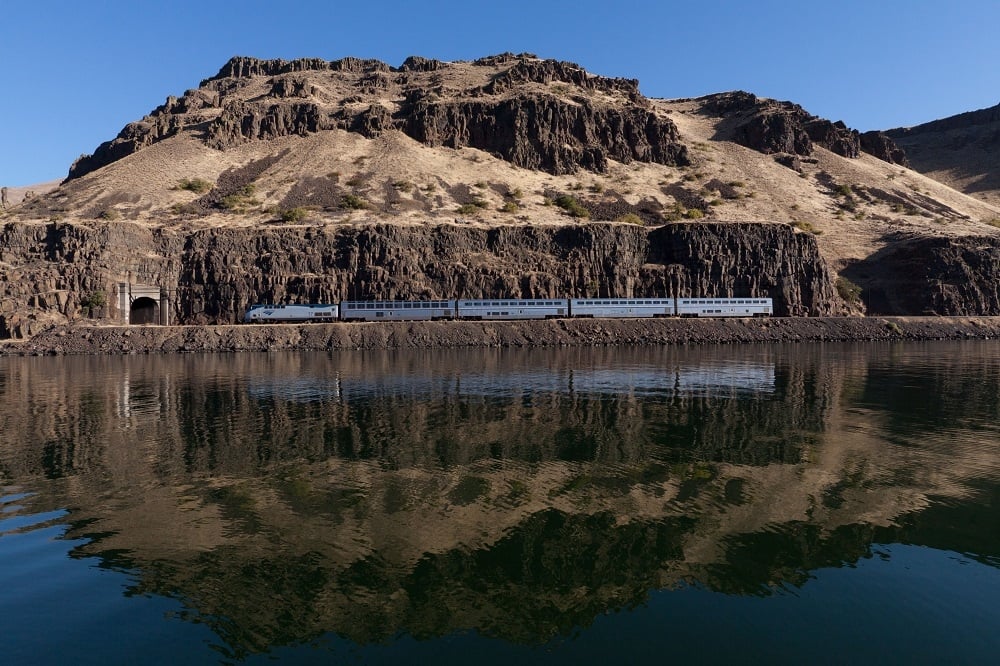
(510, 309)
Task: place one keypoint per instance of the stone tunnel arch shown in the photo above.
(144, 310)
(143, 304)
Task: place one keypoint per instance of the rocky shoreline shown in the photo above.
(81, 339)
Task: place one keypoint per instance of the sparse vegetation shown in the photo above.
(631, 218)
(481, 185)
(353, 202)
(196, 185)
(403, 185)
(510, 207)
(806, 227)
(515, 193)
(296, 214)
(355, 181)
(95, 299)
(241, 200)
(572, 206)
(109, 214)
(694, 214)
(995, 222)
(847, 290)
(472, 207)
(596, 188)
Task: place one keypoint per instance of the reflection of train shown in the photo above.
(530, 308)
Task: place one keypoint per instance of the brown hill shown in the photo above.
(309, 180)
(962, 151)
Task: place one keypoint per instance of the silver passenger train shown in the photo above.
(512, 308)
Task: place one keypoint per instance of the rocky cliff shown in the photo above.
(537, 114)
(214, 274)
(771, 126)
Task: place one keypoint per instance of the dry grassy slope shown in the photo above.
(409, 183)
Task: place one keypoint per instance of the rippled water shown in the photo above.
(811, 503)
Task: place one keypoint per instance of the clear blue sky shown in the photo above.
(74, 73)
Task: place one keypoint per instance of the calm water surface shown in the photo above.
(811, 503)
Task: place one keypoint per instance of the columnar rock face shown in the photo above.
(213, 275)
(537, 114)
(943, 276)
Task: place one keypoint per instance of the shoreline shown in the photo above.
(84, 339)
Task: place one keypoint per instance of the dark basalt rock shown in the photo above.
(771, 126)
(883, 147)
(418, 64)
(932, 275)
(559, 133)
(548, 134)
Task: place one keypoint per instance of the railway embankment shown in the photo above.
(83, 339)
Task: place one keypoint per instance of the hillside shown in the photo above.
(221, 194)
(962, 151)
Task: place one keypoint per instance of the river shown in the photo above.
(815, 503)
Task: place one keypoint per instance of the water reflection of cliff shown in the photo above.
(521, 494)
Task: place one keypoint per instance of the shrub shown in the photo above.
(510, 207)
(240, 200)
(848, 291)
(630, 218)
(694, 214)
(403, 185)
(473, 206)
(572, 206)
(995, 222)
(353, 202)
(844, 190)
(294, 214)
(196, 185)
(95, 299)
(515, 193)
(806, 227)
(109, 214)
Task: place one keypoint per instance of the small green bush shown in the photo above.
(510, 207)
(240, 200)
(806, 227)
(694, 214)
(353, 202)
(848, 291)
(196, 185)
(572, 206)
(294, 214)
(631, 218)
(95, 299)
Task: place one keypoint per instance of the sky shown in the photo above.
(73, 74)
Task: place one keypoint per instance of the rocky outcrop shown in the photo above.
(559, 129)
(932, 275)
(48, 270)
(770, 126)
(883, 147)
(548, 134)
